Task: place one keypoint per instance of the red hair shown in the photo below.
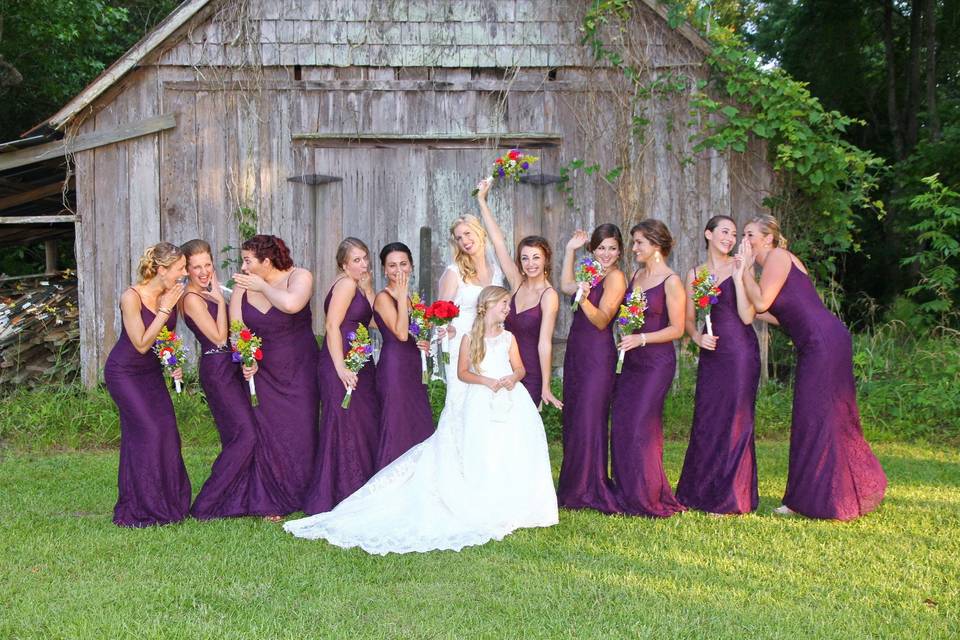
(272, 247)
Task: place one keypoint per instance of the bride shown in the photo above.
(484, 473)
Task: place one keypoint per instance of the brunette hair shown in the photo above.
(657, 233)
(769, 225)
(489, 296)
(265, 246)
(537, 242)
(463, 260)
(343, 249)
(162, 254)
(713, 223)
(603, 232)
(390, 248)
(195, 247)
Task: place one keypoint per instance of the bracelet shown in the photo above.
(163, 310)
(643, 339)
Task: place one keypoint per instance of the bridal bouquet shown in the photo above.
(440, 314)
(630, 318)
(419, 326)
(246, 350)
(705, 294)
(360, 351)
(587, 270)
(169, 348)
(512, 164)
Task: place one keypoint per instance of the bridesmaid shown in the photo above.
(833, 473)
(226, 492)
(636, 447)
(272, 298)
(152, 480)
(588, 371)
(528, 276)
(720, 468)
(347, 449)
(405, 415)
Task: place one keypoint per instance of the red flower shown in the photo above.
(173, 336)
(498, 161)
(634, 309)
(514, 154)
(166, 350)
(258, 355)
(704, 301)
(245, 334)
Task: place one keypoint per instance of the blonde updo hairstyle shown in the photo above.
(769, 225)
(343, 250)
(489, 297)
(162, 254)
(464, 261)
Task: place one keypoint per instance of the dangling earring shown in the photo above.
(656, 257)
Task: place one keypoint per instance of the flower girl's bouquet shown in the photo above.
(510, 165)
(419, 327)
(705, 294)
(246, 350)
(360, 351)
(169, 348)
(587, 270)
(630, 318)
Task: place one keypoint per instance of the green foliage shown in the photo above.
(938, 255)
(246, 218)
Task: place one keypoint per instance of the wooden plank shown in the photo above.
(34, 194)
(326, 204)
(585, 85)
(61, 148)
(38, 219)
(438, 140)
(144, 172)
(178, 169)
(87, 282)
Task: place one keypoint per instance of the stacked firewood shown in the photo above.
(39, 329)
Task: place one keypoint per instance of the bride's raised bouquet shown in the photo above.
(169, 348)
(630, 318)
(510, 165)
(419, 327)
(245, 345)
(440, 314)
(705, 295)
(361, 350)
(588, 270)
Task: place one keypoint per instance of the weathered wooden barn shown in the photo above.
(375, 118)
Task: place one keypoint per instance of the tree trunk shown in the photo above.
(895, 133)
(930, 38)
(913, 93)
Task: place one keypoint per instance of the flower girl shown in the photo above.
(483, 474)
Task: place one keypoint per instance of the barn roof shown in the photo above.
(197, 10)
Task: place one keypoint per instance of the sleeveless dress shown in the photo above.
(405, 415)
(226, 493)
(349, 438)
(636, 434)
(833, 473)
(152, 483)
(525, 327)
(484, 473)
(720, 468)
(589, 367)
(286, 418)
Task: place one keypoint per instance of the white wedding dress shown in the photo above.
(484, 473)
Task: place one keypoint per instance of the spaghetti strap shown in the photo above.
(542, 293)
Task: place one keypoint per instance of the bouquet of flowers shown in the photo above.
(360, 351)
(440, 314)
(587, 270)
(705, 293)
(418, 329)
(169, 348)
(630, 318)
(512, 164)
(246, 350)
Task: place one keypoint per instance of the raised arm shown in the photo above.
(776, 268)
(142, 337)
(290, 300)
(744, 308)
(396, 318)
(343, 293)
(568, 284)
(215, 329)
(507, 265)
(614, 288)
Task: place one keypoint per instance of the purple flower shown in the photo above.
(713, 299)
(525, 165)
(171, 360)
(237, 357)
(368, 348)
(415, 329)
(501, 172)
(351, 336)
(624, 320)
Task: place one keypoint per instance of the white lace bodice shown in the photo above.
(496, 360)
(467, 294)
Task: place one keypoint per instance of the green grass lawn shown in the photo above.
(67, 572)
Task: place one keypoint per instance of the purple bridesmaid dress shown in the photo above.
(720, 469)
(347, 448)
(636, 437)
(226, 493)
(152, 480)
(525, 327)
(286, 418)
(588, 371)
(405, 415)
(833, 473)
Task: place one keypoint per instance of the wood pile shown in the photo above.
(39, 329)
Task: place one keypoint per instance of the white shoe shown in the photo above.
(784, 510)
